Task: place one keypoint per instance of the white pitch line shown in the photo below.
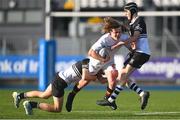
(103, 112)
(94, 111)
(156, 113)
(133, 112)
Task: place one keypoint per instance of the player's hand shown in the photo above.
(106, 59)
(133, 45)
(101, 79)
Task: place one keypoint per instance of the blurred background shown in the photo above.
(75, 25)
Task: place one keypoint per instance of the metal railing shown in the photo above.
(18, 45)
(166, 45)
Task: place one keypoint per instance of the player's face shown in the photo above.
(128, 14)
(115, 33)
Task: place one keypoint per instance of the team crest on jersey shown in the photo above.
(138, 27)
(131, 61)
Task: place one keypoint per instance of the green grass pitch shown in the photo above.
(162, 105)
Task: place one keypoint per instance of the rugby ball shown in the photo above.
(104, 52)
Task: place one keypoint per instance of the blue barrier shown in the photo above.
(47, 56)
(27, 67)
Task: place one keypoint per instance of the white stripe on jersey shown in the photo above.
(69, 76)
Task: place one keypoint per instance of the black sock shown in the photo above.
(75, 90)
(108, 92)
(34, 104)
(21, 95)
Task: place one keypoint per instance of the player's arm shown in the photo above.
(102, 80)
(130, 43)
(133, 38)
(85, 72)
(86, 75)
(95, 55)
(118, 45)
(131, 47)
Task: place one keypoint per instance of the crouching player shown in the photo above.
(56, 89)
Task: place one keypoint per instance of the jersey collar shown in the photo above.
(133, 20)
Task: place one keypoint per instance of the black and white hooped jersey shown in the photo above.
(73, 73)
(138, 24)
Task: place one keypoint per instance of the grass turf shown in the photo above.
(162, 105)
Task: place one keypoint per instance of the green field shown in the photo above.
(162, 105)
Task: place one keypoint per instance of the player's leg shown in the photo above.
(57, 89)
(86, 78)
(122, 77)
(71, 96)
(77, 87)
(111, 74)
(56, 107)
(144, 95)
(31, 94)
(138, 60)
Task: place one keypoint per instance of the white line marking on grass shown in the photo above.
(156, 113)
(131, 112)
(94, 111)
(104, 112)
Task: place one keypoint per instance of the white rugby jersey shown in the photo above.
(108, 42)
(72, 74)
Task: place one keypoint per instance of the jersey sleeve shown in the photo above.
(98, 45)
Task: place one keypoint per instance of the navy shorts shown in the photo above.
(136, 59)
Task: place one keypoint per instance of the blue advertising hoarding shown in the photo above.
(160, 68)
(18, 66)
(27, 66)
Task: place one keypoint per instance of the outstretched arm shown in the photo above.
(133, 38)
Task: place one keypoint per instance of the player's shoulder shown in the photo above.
(104, 36)
(140, 20)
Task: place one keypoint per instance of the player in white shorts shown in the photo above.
(113, 34)
(55, 89)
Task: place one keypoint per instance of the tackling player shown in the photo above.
(55, 89)
(141, 54)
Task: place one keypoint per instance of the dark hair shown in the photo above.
(110, 23)
(132, 7)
